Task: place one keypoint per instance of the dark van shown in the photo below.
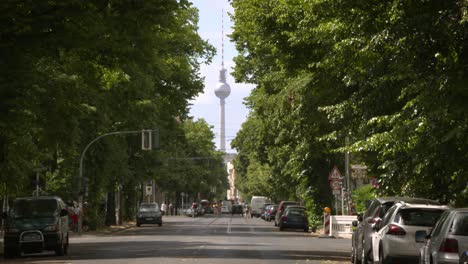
(36, 224)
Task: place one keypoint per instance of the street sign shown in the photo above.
(335, 185)
(149, 190)
(335, 175)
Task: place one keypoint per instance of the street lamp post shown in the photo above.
(80, 192)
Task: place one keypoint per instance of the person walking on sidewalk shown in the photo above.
(163, 208)
(170, 206)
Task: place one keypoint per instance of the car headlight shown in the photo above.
(51, 228)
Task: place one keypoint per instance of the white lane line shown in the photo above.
(229, 226)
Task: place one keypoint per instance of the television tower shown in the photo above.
(222, 91)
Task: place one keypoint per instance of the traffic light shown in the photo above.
(146, 140)
(149, 139)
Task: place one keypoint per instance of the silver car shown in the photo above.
(395, 240)
(448, 240)
(361, 241)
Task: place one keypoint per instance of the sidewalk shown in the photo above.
(106, 230)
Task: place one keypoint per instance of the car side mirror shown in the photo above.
(63, 212)
(420, 236)
(4, 215)
(355, 223)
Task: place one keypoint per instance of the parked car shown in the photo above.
(271, 212)
(294, 217)
(264, 209)
(282, 206)
(36, 224)
(361, 240)
(395, 239)
(237, 209)
(206, 205)
(448, 240)
(149, 213)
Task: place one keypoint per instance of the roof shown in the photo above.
(295, 207)
(405, 205)
(413, 200)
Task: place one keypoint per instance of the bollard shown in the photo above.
(327, 224)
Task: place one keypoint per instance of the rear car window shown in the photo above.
(418, 216)
(460, 225)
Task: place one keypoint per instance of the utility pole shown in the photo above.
(348, 188)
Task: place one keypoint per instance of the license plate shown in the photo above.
(31, 238)
(149, 219)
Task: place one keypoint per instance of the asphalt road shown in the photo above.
(209, 239)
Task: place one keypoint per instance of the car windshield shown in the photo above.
(418, 216)
(460, 226)
(34, 208)
(149, 208)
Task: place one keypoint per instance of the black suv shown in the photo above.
(35, 224)
(361, 241)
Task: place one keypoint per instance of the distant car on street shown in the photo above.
(281, 208)
(448, 241)
(237, 209)
(294, 217)
(264, 209)
(271, 212)
(226, 207)
(149, 213)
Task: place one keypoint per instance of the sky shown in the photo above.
(206, 105)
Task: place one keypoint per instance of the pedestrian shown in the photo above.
(194, 208)
(163, 208)
(247, 211)
(171, 208)
(75, 214)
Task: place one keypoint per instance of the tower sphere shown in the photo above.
(222, 90)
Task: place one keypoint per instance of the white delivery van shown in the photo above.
(256, 205)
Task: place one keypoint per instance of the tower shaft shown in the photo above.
(222, 129)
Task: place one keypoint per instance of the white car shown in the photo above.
(395, 239)
(448, 240)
